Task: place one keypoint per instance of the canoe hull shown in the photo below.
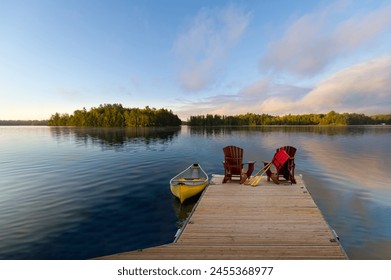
(189, 183)
(183, 192)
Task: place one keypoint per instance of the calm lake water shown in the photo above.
(76, 193)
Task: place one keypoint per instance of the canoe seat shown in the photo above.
(234, 165)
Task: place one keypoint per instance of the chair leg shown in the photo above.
(243, 175)
(268, 172)
(250, 169)
(292, 173)
(274, 177)
(293, 180)
(243, 178)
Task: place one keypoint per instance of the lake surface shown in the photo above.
(79, 193)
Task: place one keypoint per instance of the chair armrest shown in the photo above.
(250, 168)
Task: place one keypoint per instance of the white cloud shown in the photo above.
(361, 88)
(202, 48)
(316, 40)
(331, 36)
(260, 97)
(258, 88)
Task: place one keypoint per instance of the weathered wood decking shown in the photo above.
(233, 221)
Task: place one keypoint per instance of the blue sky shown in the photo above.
(195, 57)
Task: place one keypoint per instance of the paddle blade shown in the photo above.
(256, 181)
(249, 180)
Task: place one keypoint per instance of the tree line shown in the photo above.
(115, 115)
(250, 119)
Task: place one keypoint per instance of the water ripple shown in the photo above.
(69, 193)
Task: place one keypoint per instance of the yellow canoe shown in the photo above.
(188, 183)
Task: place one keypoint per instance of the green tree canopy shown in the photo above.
(115, 115)
(331, 118)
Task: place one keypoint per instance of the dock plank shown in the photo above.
(233, 221)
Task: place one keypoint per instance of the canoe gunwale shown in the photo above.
(183, 188)
(177, 178)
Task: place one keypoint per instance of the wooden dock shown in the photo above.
(233, 221)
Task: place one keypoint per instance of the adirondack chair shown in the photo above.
(234, 165)
(284, 164)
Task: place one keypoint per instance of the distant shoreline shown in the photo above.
(44, 123)
(332, 118)
(23, 122)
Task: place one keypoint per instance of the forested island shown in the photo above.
(115, 115)
(331, 118)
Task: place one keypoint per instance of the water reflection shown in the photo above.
(316, 129)
(183, 210)
(116, 138)
(351, 162)
(346, 169)
(65, 190)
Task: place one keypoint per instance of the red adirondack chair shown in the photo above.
(234, 165)
(284, 162)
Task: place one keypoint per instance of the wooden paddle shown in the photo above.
(253, 178)
(256, 181)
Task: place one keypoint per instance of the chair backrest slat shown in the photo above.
(233, 156)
